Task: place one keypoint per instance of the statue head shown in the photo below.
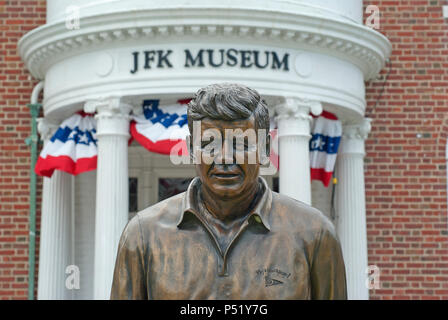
(233, 122)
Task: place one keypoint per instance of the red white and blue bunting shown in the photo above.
(326, 136)
(160, 129)
(73, 147)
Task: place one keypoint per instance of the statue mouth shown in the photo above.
(225, 172)
(226, 175)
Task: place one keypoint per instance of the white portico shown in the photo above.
(302, 56)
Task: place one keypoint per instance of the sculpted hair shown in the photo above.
(228, 101)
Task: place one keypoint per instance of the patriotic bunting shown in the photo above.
(71, 149)
(325, 139)
(159, 129)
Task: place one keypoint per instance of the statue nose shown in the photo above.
(225, 154)
(227, 151)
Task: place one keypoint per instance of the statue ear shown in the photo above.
(268, 145)
(190, 147)
(264, 156)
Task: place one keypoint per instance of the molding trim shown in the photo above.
(356, 43)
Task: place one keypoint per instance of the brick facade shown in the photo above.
(16, 84)
(405, 162)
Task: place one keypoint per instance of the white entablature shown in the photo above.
(322, 51)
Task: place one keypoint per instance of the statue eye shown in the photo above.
(243, 144)
(240, 143)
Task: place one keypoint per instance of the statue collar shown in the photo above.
(260, 211)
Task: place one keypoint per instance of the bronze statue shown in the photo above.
(229, 236)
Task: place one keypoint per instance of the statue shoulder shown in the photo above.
(166, 211)
(301, 216)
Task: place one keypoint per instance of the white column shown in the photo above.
(85, 197)
(351, 207)
(111, 188)
(55, 232)
(294, 133)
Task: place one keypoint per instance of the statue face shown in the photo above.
(232, 167)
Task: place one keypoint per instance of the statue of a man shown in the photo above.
(229, 236)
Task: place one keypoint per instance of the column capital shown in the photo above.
(46, 128)
(358, 130)
(298, 108)
(112, 115)
(137, 109)
(353, 137)
(110, 107)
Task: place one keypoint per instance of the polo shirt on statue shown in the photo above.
(284, 249)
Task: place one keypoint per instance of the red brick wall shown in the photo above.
(405, 163)
(16, 84)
